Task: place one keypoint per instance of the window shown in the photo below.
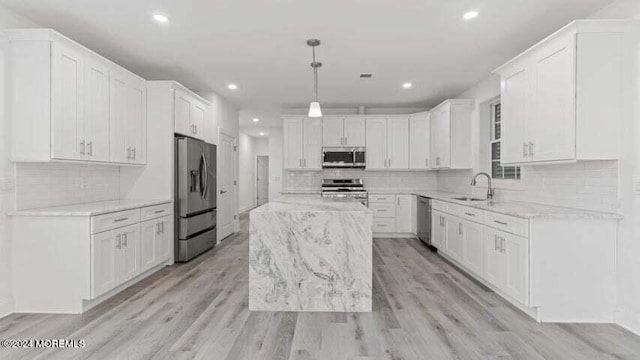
(497, 171)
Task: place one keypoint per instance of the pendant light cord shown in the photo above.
(315, 73)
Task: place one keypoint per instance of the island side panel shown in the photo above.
(310, 261)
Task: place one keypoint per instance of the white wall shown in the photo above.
(275, 161)
(8, 19)
(247, 173)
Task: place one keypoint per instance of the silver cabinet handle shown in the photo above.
(196, 127)
(82, 147)
(459, 228)
(525, 149)
(304, 162)
(495, 242)
(119, 241)
(502, 245)
(346, 141)
(158, 228)
(398, 198)
(162, 227)
(128, 153)
(121, 219)
(124, 240)
(300, 161)
(530, 149)
(500, 222)
(389, 162)
(438, 161)
(223, 191)
(90, 148)
(426, 162)
(133, 152)
(469, 214)
(158, 211)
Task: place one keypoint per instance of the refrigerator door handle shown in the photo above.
(206, 177)
(201, 177)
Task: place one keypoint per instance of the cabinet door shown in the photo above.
(552, 127)
(494, 260)
(182, 109)
(472, 248)
(105, 248)
(128, 260)
(67, 103)
(163, 239)
(118, 96)
(515, 105)
(440, 138)
(438, 230)
(312, 158)
(197, 119)
(293, 143)
(516, 253)
(96, 110)
(404, 213)
(354, 132)
(136, 132)
(398, 142)
(332, 131)
(454, 247)
(376, 134)
(148, 232)
(419, 142)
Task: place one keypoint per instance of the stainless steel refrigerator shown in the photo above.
(195, 198)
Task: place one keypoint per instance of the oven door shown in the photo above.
(342, 157)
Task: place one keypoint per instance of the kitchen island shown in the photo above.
(307, 253)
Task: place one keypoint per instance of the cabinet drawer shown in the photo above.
(440, 205)
(384, 225)
(383, 210)
(382, 199)
(155, 211)
(114, 220)
(471, 214)
(507, 223)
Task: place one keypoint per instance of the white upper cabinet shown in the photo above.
(387, 142)
(190, 113)
(68, 103)
(302, 143)
(343, 131)
(419, 141)
(562, 99)
(450, 135)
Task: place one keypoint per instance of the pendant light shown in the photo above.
(314, 107)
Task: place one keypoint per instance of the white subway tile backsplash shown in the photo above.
(373, 180)
(54, 184)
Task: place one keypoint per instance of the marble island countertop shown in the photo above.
(311, 203)
(88, 209)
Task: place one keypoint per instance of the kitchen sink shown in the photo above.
(466, 198)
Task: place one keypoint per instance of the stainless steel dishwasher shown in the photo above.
(424, 219)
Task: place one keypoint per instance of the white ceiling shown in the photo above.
(260, 44)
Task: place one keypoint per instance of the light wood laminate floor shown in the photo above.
(424, 308)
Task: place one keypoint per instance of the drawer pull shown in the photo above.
(122, 219)
(500, 222)
(469, 214)
(158, 211)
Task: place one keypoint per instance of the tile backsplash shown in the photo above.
(373, 180)
(589, 185)
(55, 184)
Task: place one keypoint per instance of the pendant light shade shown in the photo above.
(314, 107)
(314, 110)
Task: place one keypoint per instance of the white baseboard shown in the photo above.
(246, 208)
(629, 320)
(6, 307)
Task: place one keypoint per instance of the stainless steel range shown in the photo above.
(345, 189)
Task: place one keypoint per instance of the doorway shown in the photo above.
(262, 179)
(226, 185)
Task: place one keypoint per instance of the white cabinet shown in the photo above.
(419, 140)
(438, 230)
(507, 263)
(404, 213)
(342, 131)
(555, 95)
(454, 244)
(190, 113)
(450, 135)
(472, 246)
(128, 119)
(114, 258)
(387, 143)
(302, 143)
(154, 242)
(68, 103)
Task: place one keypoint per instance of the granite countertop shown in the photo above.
(88, 209)
(299, 203)
(513, 208)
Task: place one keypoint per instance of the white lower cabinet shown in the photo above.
(154, 242)
(438, 230)
(472, 246)
(392, 213)
(507, 266)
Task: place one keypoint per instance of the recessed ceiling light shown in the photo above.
(160, 18)
(407, 85)
(470, 15)
(261, 134)
(232, 86)
(256, 119)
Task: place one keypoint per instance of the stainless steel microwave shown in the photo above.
(338, 157)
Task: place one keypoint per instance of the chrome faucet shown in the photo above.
(490, 192)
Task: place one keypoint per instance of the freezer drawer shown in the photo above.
(190, 226)
(187, 249)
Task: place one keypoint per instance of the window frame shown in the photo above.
(493, 140)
